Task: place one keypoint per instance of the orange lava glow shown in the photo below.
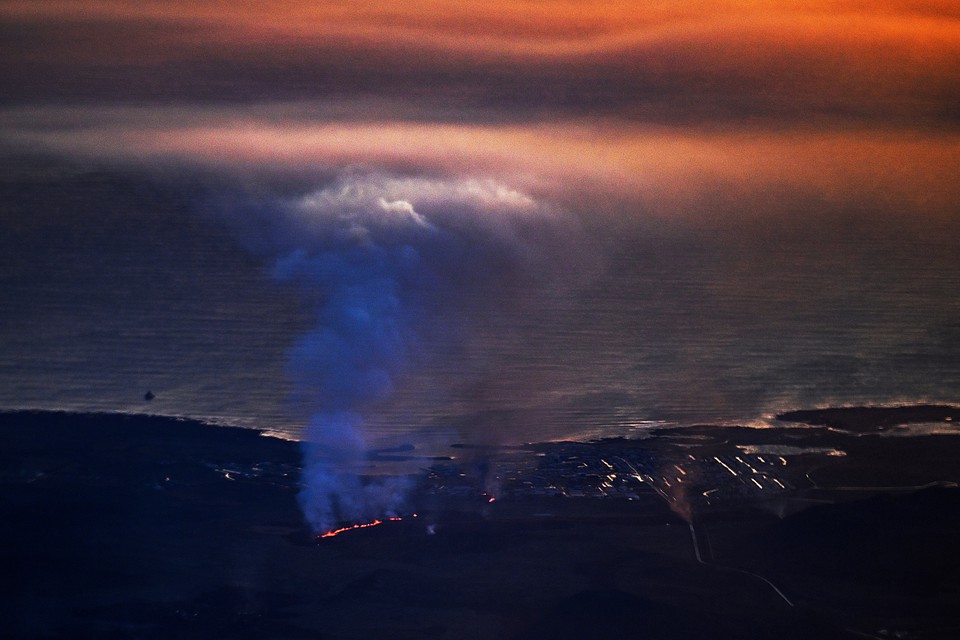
(361, 525)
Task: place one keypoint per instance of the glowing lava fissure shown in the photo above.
(361, 525)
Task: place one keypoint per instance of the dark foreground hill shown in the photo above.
(144, 527)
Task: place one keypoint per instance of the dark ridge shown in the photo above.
(611, 613)
(99, 434)
(226, 612)
(598, 614)
(860, 419)
(123, 526)
(903, 547)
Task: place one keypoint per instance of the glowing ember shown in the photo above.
(361, 525)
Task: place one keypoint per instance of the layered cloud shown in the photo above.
(659, 109)
(726, 61)
(600, 170)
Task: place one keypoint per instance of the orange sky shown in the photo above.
(632, 101)
(888, 43)
(557, 28)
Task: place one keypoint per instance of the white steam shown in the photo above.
(381, 254)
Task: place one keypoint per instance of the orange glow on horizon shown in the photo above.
(493, 29)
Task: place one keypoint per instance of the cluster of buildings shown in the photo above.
(620, 469)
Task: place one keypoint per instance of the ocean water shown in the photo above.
(113, 285)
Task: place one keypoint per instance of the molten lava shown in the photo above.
(361, 525)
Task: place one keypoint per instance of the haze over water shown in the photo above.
(680, 327)
(574, 227)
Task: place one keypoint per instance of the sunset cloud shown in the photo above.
(717, 63)
(603, 168)
(707, 115)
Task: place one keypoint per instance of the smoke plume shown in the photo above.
(378, 256)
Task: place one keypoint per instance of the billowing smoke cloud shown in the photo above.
(378, 255)
(347, 362)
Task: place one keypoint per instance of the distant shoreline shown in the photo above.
(857, 419)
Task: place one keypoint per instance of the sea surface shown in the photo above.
(113, 285)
